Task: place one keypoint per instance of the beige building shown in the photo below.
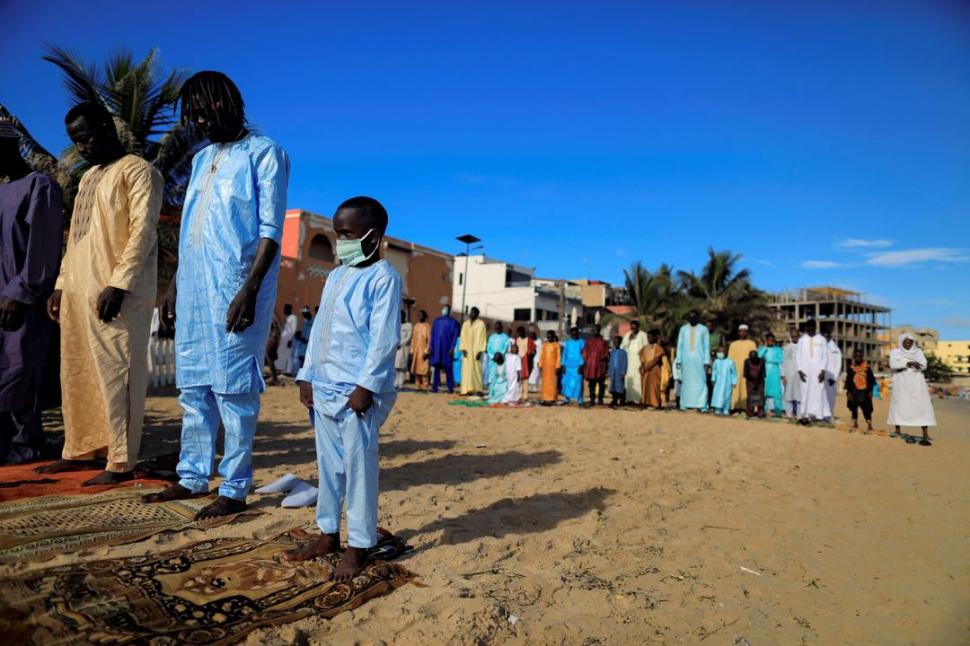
(856, 324)
(955, 354)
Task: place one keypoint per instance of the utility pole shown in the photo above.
(469, 240)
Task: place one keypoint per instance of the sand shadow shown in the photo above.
(513, 516)
(463, 468)
(397, 448)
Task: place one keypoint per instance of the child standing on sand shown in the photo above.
(724, 375)
(513, 370)
(347, 382)
(617, 373)
(859, 385)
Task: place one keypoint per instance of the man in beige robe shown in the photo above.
(421, 351)
(738, 351)
(472, 345)
(103, 300)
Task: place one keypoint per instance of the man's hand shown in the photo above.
(360, 400)
(11, 314)
(580, 370)
(479, 356)
(109, 303)
(54, 306)
(802, 376)
(427, 355)
(784, 381)
(821, 376)
(914, 365)
(831, 382)
(464, 353)
(242, 311)
(168, 305)
(306, 393)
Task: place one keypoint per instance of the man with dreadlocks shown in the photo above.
(221, 301)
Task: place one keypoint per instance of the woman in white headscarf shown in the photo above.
(910, 404)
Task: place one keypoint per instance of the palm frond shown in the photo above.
(82, 81)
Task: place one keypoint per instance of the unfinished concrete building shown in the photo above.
(854, 322)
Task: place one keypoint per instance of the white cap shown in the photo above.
(743, 326)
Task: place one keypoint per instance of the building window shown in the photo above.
(461, 277)
(522, 314)
(321, 249)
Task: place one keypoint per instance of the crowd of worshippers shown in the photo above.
(96, 287)
(799, 379)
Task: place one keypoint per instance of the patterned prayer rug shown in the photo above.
(35, 529)
(210, 592)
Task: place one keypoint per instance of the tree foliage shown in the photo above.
(722, 294)
(936, 371)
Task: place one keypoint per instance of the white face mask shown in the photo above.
(720, 355)
(444, 311)
(351, 252)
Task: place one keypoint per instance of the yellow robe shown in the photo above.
(104, 366)
(420, 348)
(549, 363)
(473, 340)
(738, 351)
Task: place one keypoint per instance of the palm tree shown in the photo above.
(658, 301)
(724, 294)
(142, 99)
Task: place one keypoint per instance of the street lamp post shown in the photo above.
(469, 240)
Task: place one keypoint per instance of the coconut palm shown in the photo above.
(724, 294)
(142, 99)
(658, 301)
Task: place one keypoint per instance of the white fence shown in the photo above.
(161, 362)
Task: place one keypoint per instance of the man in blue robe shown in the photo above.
(31, 236)
(693, 359)
(444, 334)
(572, 367)
(232, 223)
(348, 383)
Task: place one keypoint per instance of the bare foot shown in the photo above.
(172, 492)
(323, 544)
(221, 506)
(350, 565)
(109, 478)
(63, 466)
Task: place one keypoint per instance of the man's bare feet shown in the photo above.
(63, 466)
(350, 565)
(109, 478)
(323, 544)
(221, 506)
(172, 492)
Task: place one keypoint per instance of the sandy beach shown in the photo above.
(567, 526)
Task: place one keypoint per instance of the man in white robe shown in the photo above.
(813, 363)
(284, 362)
(910, 403)
(789, 375)
(633, 342)
(833, 370)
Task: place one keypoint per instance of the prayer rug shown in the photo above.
(210, 592)
(18, 481)
(36, 529)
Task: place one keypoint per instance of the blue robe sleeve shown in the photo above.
(306, 372)
(623, 361)
(681, 348)
(43, 252)
(385, 333)
(272, 176)
(706, 346)
(733, 372)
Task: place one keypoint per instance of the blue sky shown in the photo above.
(826, 141)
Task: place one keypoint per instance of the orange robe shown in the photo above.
(650, 369)
(549, 362)
(420, 348)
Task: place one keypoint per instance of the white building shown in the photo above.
(512, 294)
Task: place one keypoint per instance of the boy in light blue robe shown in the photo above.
(617, 373)
(347, 383)
(692, 358)
(222, 299)
(724, 375)
(572, 367)
(498, 384)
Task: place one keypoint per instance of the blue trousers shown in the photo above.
(203, 410)
(449, 377)
(348, 464)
